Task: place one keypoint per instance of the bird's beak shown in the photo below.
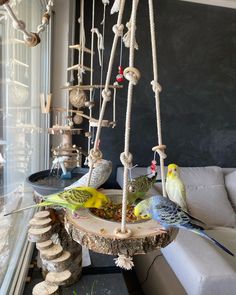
(170, 172)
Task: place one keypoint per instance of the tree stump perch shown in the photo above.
(62, 267)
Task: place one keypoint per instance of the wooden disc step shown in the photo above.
(39, 234)
(40, 223)
(44, 288)
(44, 245)
(58, 278)
(42, 214)
(51, 253)
(58, 264)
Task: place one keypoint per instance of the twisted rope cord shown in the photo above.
(82, 42)
(105, 3)
(32, 39)
(157, 89)
(91, 73)
(126, 156)
(108, 78)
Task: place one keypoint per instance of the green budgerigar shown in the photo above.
(139, 186)
(73, 199)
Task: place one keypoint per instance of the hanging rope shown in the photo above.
(132, 75)
(160, 149)
(127, 36)
(91, 75)
(115, 6)
(82, 43)
(106, 93)
(103, 23)
(31, 39)
(100, 44)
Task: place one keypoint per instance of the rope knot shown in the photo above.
(106, 94)
(156, 87)
(126, 160)
(118, 30)
(160, 149)
(132, 74)
(94, 156)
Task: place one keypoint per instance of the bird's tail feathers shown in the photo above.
(200, 231)
(217, 243)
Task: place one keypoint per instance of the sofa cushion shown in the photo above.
(201, 267)
(207, 198)
(230, 184)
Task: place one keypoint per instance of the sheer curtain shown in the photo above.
(24, 143)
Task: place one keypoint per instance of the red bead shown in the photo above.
(119, 78)
(120, 70)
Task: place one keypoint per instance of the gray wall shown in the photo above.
(197, 69)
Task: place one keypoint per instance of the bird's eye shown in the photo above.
(175, 169)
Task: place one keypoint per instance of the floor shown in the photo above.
(101, 278)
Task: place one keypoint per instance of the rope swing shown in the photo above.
(100, 235)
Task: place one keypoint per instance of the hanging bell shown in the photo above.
(120, 76)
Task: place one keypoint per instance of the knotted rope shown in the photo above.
(132, 75)
(156, 87)
(31, 39)
(105, 91)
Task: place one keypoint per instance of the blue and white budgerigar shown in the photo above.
(175, 187)
(73, 199)
(170, 215)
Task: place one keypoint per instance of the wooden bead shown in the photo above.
(2, 2)
(46, 18)
(33, 41)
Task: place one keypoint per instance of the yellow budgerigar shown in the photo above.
(175, 187)
(73, 199)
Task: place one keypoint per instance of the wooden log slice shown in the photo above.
(59, 264)
(39, 234)
(44, 245)
(40, 223)
(42, 214)
(58, 278)
(99, 235)
(51, 253)
(75, 276)
(44, 288)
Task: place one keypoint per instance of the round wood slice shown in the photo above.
(75, 276)
(99, 235)
(59, 264)
(44, 288)
(39, 234)
(40, 223)
(75, 266)
(51, 253)
(42, 214)
(58, 278)
(44, 245)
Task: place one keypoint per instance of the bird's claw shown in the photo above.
(159, 229)
(77, 216)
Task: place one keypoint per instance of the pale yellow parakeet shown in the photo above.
(175, 187)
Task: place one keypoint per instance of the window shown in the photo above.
(24, 143)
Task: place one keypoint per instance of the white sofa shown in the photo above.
(190, 264)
